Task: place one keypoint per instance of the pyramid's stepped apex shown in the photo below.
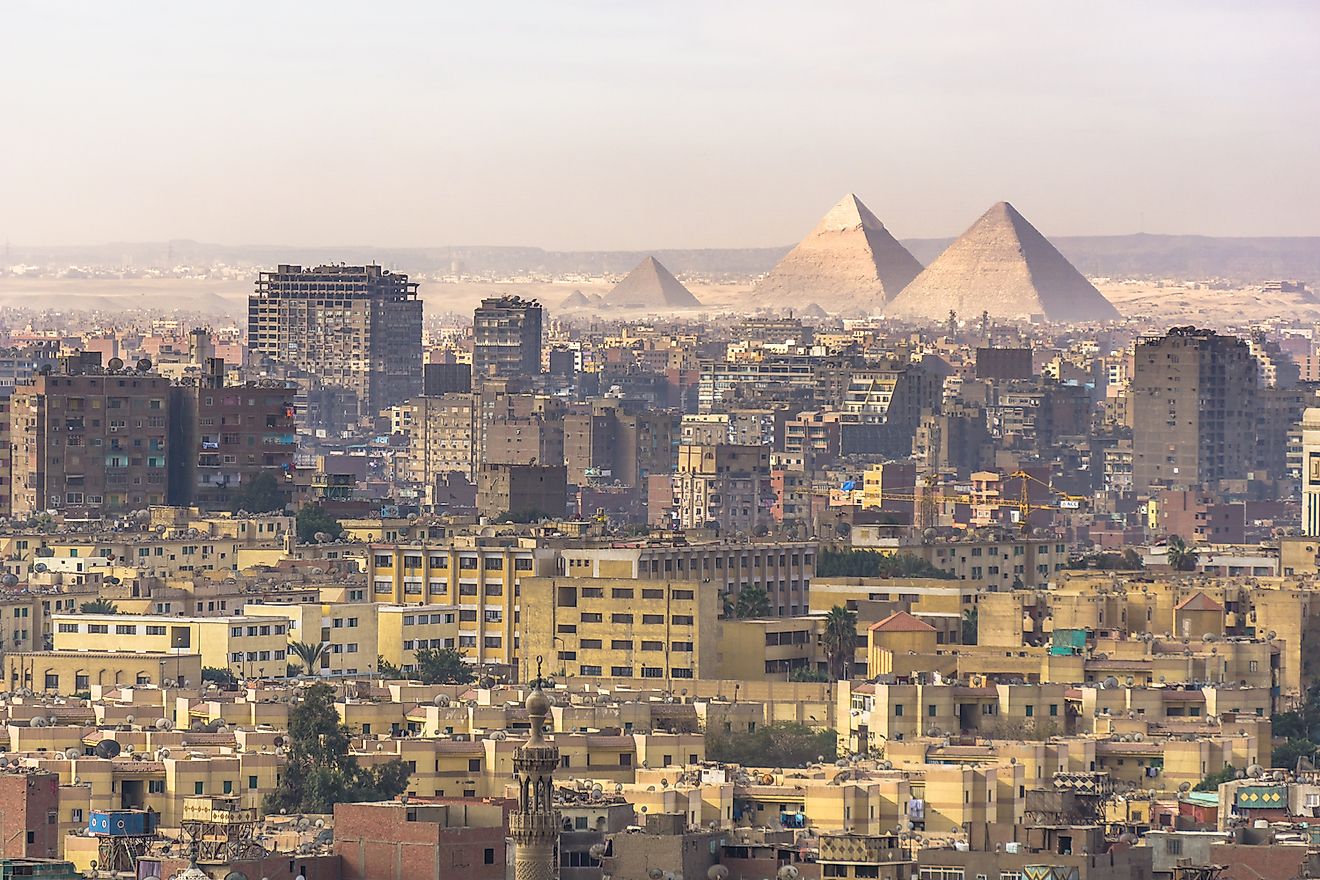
(1004, 266)
(848, 263)
(651, 286)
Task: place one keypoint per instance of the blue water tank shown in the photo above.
(122, 823)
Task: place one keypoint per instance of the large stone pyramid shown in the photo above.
(1003, 266)
(848, 263)
(651, 286)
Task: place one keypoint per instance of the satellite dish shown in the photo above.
(72, 753)
(1255, 771)
(39, 721)
(144, 365)
(107, 748)
(114, 364)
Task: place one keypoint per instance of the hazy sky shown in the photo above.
(651, 124)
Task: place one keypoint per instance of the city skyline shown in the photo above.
(623, 128)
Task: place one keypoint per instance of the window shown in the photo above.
(488, 856)
(653, 594)
(618, 618)
(621, 644)
(1173, 846)
(252, 783)
(652, 646)
(621, 671)
(155, 630)
(68, 627)
(52, 681)
(199, 787)
(621, 593)
(653, 619)
(98, 628)
(682, 620)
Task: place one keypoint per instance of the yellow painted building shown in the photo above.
(482, 579)
(621, 628)
(71, 672)
(247, 646)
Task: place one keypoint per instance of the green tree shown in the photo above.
(782, 744)
(971, 621)
(99, 606)
(1214, 780)
(442, 666)
(752, 601)
(309, 654)
(1286, 755)
(1180, 556)
(219, 675)
(320, 771)
(840, 640)
(809, 673)
(387, 669)
(312, 520)
(1132, 560)
(261, 494)
(869, 563)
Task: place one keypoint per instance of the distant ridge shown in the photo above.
(651, 286)
(848, 263)
(1004, 266)
(1150, 255)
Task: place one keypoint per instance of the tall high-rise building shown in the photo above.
(357, 328)
(1193, 408)
(506, 338)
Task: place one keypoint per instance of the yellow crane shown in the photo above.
(1022, 503)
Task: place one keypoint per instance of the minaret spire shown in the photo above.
(535, 826)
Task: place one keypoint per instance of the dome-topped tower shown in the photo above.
(535, 826)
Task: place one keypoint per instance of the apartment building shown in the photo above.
(89, 441)
(358, 635)
(621, 628)
(354, 328)
(724, 484)
(246, 646)
(484, 580)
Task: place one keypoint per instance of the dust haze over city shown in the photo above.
(660, 441)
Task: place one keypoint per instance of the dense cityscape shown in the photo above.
(459, 442)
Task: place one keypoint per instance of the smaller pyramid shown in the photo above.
(1002, 266)
(575, 300)
(848, 263)
(651, 286)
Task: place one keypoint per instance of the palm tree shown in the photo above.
(1180, 556)
(752, 602)
(971, 620)
(98, 606)
(309, 654)
(840, 640)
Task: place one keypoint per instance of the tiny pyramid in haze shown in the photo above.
(1004, 266)
(575, 300)
(651, 286)
(848, 263)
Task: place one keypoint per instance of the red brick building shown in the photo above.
(433, 838)
(29, 815)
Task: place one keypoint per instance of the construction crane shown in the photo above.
(1022, 503)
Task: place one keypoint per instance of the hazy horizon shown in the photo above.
(591, 126)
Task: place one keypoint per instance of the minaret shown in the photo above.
(535, 826)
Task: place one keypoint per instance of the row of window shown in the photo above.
(256, 656)
(628, 645)
(627, 671)
(467, 563)
(629, 593)
(647, 619)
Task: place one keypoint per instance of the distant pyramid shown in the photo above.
(1003, 266)
(575, 300)
(651, 286)
(848, 263)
